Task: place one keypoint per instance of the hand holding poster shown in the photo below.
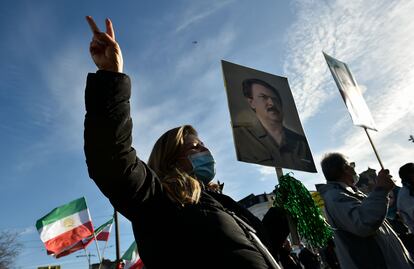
(351, 93)
(265, 122)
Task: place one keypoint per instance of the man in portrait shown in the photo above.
(267, 141)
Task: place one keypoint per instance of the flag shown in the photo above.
(103, 231)
(350, 92)
(63, 229)
(131, 258)
(75, 247)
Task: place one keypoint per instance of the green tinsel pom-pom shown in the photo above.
(293, 196)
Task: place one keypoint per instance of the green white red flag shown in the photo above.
(64, 228)
(103, 231)
(131, 258)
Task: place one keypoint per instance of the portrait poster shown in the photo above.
(351, 93)
(264, 119)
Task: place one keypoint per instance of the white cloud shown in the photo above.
(28, 230)
(66, 89)
(196, 14)
(61, 110)
(267, 173)
(21, 231)
(350, 31)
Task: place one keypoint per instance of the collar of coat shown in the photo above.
(351, 190)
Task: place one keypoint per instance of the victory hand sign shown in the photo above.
(104, 50)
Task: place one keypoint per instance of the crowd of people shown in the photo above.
(363, 237)
(181, 219)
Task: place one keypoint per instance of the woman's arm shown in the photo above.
(112, 162)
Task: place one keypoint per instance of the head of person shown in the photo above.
(183, 164)
(264, 100)
(406, 174)
(335, 167)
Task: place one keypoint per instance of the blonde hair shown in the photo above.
(179, 186)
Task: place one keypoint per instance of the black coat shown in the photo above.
(215, 233)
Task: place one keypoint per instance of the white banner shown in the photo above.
(350, 92)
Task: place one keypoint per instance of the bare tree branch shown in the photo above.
(9, 248)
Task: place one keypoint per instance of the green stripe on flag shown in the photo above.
(103, 226)
(62, 212)
(128, 255)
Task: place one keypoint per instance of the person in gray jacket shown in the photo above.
(362, 236)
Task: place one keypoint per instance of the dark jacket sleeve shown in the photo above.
(112, 162)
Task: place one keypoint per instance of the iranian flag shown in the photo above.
(64, 228)
(103, 231)
(131, 258)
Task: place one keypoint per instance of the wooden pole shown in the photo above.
(97, 248)
(103, 252)
(279, 173)
(88, 257)
(292, 225)
(293, 231)
(373, 147)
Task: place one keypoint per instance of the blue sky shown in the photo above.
(45, 59)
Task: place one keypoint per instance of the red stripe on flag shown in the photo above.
(66, 239)
(138, 265)
(102, 236)
(74, 248)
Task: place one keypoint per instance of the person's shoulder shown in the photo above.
(244, 127)
(251, 146)
(403, 196)
(243, 134)
(403, 191)
(224, 199)
(330, 190)
(328, 186)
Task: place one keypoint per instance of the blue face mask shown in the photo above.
(203, 166)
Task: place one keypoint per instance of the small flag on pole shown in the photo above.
(131, 258)
(63, 229)
(103, 231)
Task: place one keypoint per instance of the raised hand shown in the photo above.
(104, 49)
(384, 180)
